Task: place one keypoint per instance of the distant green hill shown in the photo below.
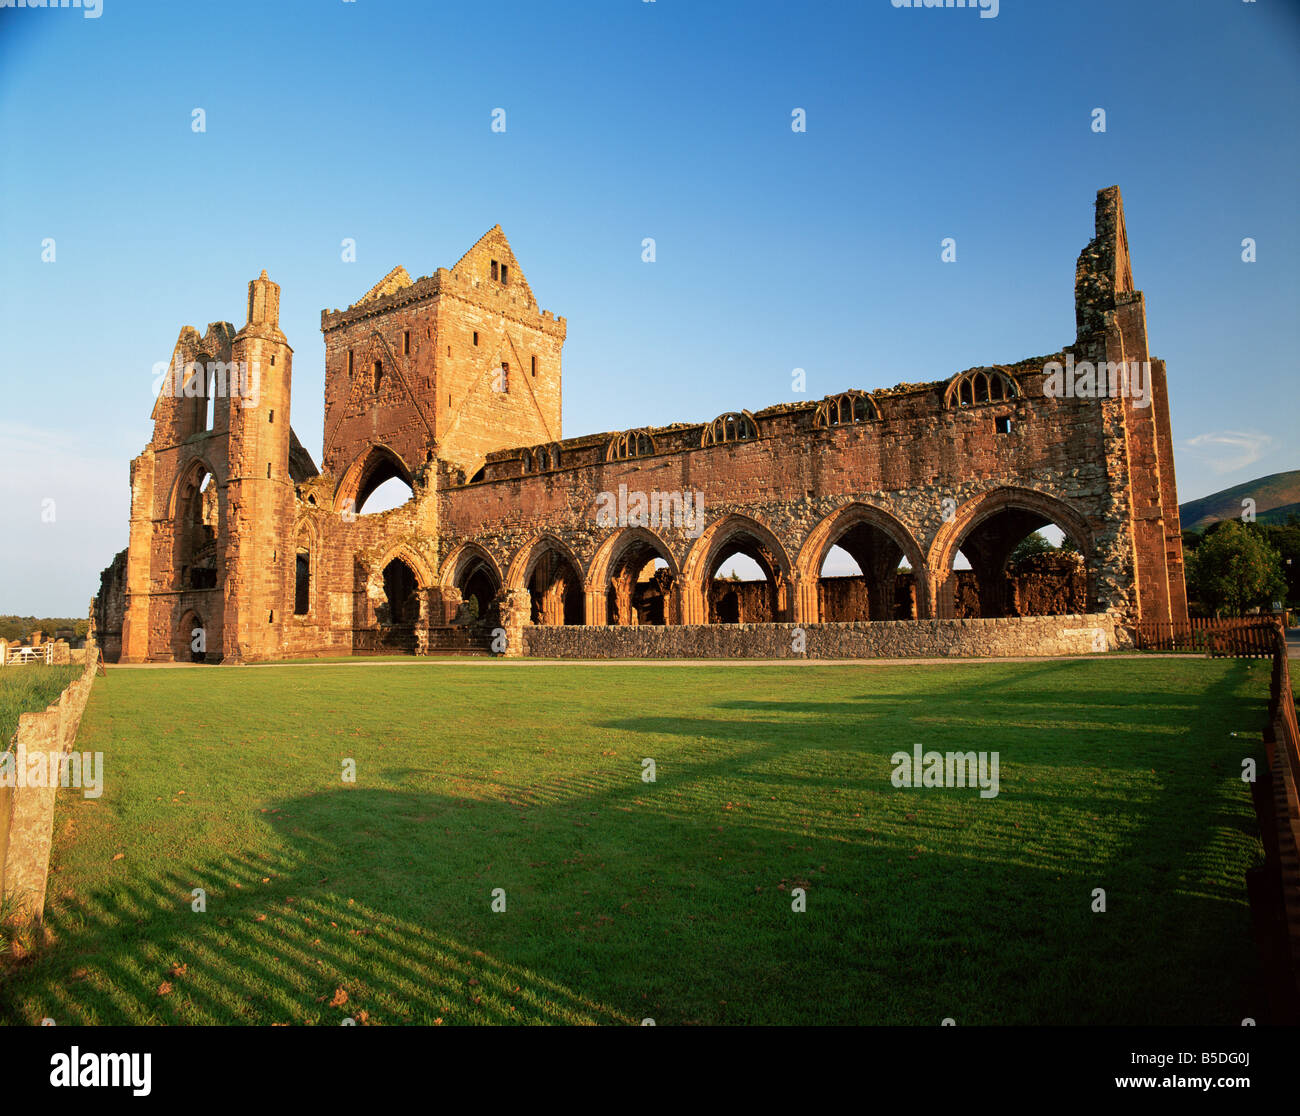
(1275, 497)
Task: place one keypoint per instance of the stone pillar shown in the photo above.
(138, 575)
(448, 605)
(422, 622)
(672, 602)
(91, 642)
(943, 593)
(694, 606)
(553, 603)
(805, 594)
(516, 612)
(911, 598)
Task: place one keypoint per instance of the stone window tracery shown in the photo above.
(541, 459)
(846, 409)
(734, 426)
(630, 444)
(979, 386)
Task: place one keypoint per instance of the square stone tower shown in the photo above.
(452, 367)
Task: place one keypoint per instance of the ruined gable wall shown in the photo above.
(156, 597)
(401, 414)
(1111, 322)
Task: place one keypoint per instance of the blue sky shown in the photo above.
(624, 120)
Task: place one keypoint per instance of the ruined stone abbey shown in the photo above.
(522, 541)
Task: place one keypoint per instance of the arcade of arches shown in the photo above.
(981, 567)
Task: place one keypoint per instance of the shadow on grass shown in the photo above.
(672, 900)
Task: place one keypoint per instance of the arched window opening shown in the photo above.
(302, 582)
(197, 516)
(980, 386)
(389, 494)
(385, 484)
(479, 589)
(210, 402)
(846, 409)
(630, 444)
(401, 605)
(190, 640)
(542, 459)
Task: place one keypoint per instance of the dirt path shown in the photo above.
(487, 663)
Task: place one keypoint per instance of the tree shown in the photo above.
(1029, 547)
(1285, 539)
(1282, 537)
(1234, 569)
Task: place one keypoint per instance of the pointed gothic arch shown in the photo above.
(196, 508)
(371, 467)
(986, 529)
(553, 576)
(625, 577)
(475, 574)
(877, 541)
(731, 534)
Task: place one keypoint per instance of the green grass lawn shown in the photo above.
(668, 900)
(29, 688)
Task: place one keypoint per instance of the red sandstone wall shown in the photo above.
(440, 380)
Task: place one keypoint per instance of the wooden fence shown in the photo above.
(1247, 637)
(1282, 751)
(1276, 891)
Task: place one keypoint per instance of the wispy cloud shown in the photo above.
(1226, 451)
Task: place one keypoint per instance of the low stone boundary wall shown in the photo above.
(27, 812)
(879, 639)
